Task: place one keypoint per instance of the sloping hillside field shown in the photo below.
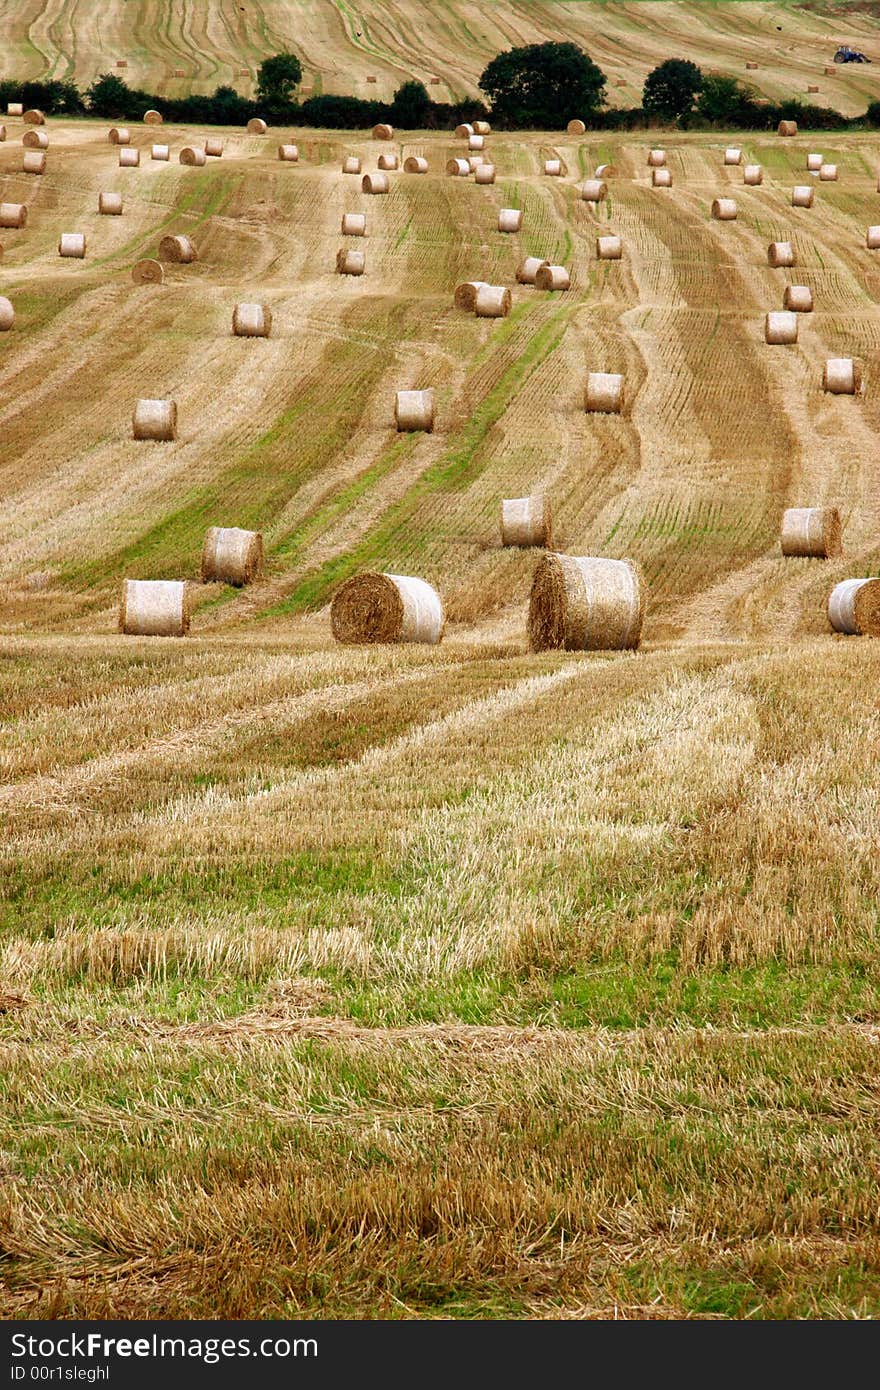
(436, 980)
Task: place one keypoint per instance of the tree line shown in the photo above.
(538, 87)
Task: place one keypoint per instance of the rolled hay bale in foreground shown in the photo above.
(552, 277)
(609, 248)
(33, 117)
(14, 108)
(527, 270)
(656, 159)
(256, 126)
(375, 183)
(594, 191)
(604, 393)
(354, 224)
(7, 314)
(154, 419)
(553, 168)
(492, 302)
(231, 555)
(812, 531)
(854, 607)
(724, 209)
(482, 128)
(476, 142)
(510, 220)
(661, 178)
(780, 254)
(732, 155)
(119, 135)
(147, 273)
(154, 608)
(350, 262)
(162, 153)
(585, 603)
(288, 154)
(457, 168)
(153, 118)
(388, 161)
(753, 174)
(13, 214)
(485, 173)
(351, 164)
(415, 164)
(787, 128)
(35, 140)
(828, 173)
(129, 158)
(213, 146)
(798, 298)
(33, 162)
(475, 162)
(842, 376)
(177, 249)
(527, 521)
(872, 238)
(781, 326)
(465, 296)
(386, 608)
(192, 156)
(251, 320)
(72, 244)
(383, 131)
(576, 127)
(414, 410)
(814, 162)
(110, 204)
(464, 131)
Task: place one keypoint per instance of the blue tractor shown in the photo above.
(845, 54)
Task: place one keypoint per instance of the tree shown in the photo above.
(277, 77)
(670, 89)
(108, 96)
(724, 100)
(411, 106)
(542, 85)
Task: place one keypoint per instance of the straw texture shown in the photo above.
(781, 326)
(584, 603)
(604, 393)
(154, 419)
(842, 376)
(526, 521)
(252, 320)
(147, 273)
(414, 410)
(812, 531)
(154, 608)
(854, 607)
(177, 249)
(510, 219)
(350, 262)
(387, 608)
(231, 555)
(354, 224)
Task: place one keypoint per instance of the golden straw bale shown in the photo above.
(585, 603)
(256, 126)
(110, 204)
(372, 79)
(153, 118)
(464, 131)
(781, 326)
(553, 168)
(465, 296)
(661, 178)
(609, 248)
(13, 215)
(179, 72)
(415, 164)
(604, 393)
(753, 174)
(72, 244)
(33, 162)
(812, 531)
(458, 168)
(350, 262)
(527, 270)
(375, 183)
(811, 87)
(872, 238)
(161, 153)
(147, 273)
(814, 162)
(154, 608)
(2, 132)
(603, 171)
(154, 419)
(383, 131)
(780, 254)
(129, 158)
(34, 117)
(122, 62)
(854, 607)
(388, 161)
(527, 521)
(787, 128)
(732, 155)
(14, 108)
(386, 608)
(351, 164)
(213, 146)
(798, 298)
(7, 314)
(288, 154)
(751, 67)
(510, 220)
(35, 140)
(414, 410)
(552, 277)
(192, 156)
(576, 127)
(476, 142)
(231, 555)
(178, 249)
(656, 159)
(354, 224)
(485, 173)
(830, 72)
(594, 191)
(828, 173)
(492, 302)
(842, 376)
(724, 209)
(119, 135)
(251, 320)
(482, 128)
(475, 162)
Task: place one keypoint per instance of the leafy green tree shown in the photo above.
(669, 90)
(108, 96)
(411, 106)
(542, 85)
(277, 79)
(724, 100)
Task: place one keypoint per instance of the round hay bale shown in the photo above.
(753, 174)
(553, 168)
(350, 262)
(751, 67)
(415, 164)
(609, 248)
(780, 254)
(154, 608)
(732, 155)
(256, 126)
(812, 531)
(830, 72)
(354, 224)
(482, 128)
(193, 156)
(154, 419)
(153, 118)
(161, 153)
(2, 132)
(33, 162)
(177, 249)
(661, 178)
(414, 410)
(288, 154)
(231, 555)
(178, 72)
(388, 161)
(372, 79)
(122, 62)
(585, 603)
(14, 108)
(787, 128)
(527, 270)
(492, 302)
(842, 376)
(854, 607)
(34, 117)
(576, 127)
(119, 135)
(828, 173)
(251, 320)
(464, 131)
(458, 168)
(386, 608)
(375, 183)
(510, 220)
(781, 326)
(72, 244)
(35, 140)
(526, 521)
(656, 159)
(552, 277)
(475, 162)
(147, 273)
(604, 393)
(811, 87)
(724, 209)
(13, 215)
(872, 238)
(214, 146)
(465, 296)
(814, 162)
(603, 171)
(351, 164)
(383, 131)
(476, 142)
(110, 204)
(7, 314)
(484, 173)
(129, 158)
(798, 298)
(594, 191)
